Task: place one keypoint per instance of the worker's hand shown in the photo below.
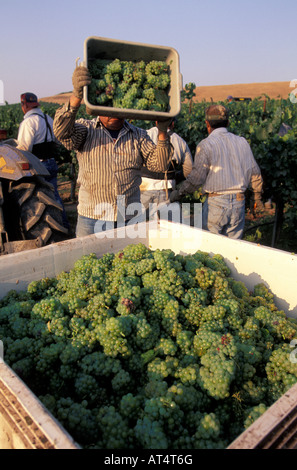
(256, 205)
(163, 125)
(174, 196)
(81, 77)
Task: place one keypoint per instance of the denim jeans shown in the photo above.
(224, 215)
(52, 178)
(152, 201)
(88, 226)
(153, 196)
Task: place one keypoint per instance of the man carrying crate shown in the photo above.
(110, 153)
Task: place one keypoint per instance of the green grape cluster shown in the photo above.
(254, 391)
(184, 340)
(159, 369)
(77, 418)
(130, 85)
(253, 414)
(188, 375)
(217, 373)
(209, 427)
(149, 349)
(167, 347)
(204, 340)
(205, 277)
(115, 432)
(150, 433)
(86, 387)
(275, 322)
(281, 370)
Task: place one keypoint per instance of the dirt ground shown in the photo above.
(69, 204)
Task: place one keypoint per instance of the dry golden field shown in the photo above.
(218, 92)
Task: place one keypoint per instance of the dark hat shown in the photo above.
(29, 98)
(216, 112)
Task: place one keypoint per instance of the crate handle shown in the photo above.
(82, 64)
(180, 82)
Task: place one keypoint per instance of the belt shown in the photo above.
(239, 196)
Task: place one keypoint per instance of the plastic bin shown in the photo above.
(275, 429)
(25, 423)
(104, 48)
(248, 262)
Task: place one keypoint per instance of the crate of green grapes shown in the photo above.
(132, 80)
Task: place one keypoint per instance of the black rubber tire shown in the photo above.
(39, 214)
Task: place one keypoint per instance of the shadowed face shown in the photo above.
(112, 123)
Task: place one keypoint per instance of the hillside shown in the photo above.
(248, 90)
(218, 92)
(60, 98)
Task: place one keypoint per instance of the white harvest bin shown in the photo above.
(25, 423)
(249, 263)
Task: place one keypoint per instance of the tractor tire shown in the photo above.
(37, 214)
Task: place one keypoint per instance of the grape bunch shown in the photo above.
(130, 85)
(150, 349)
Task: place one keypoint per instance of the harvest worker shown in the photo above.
(156, 187)
(110, 153)
(225, 167)
(36, 135)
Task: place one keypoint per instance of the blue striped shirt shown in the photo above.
(108, 167)
(223, 163)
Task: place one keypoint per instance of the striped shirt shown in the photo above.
(108, 168)
(224, 164)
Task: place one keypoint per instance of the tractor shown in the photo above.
(30, 216)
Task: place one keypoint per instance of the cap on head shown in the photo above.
(29, 99)
(216, 112)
